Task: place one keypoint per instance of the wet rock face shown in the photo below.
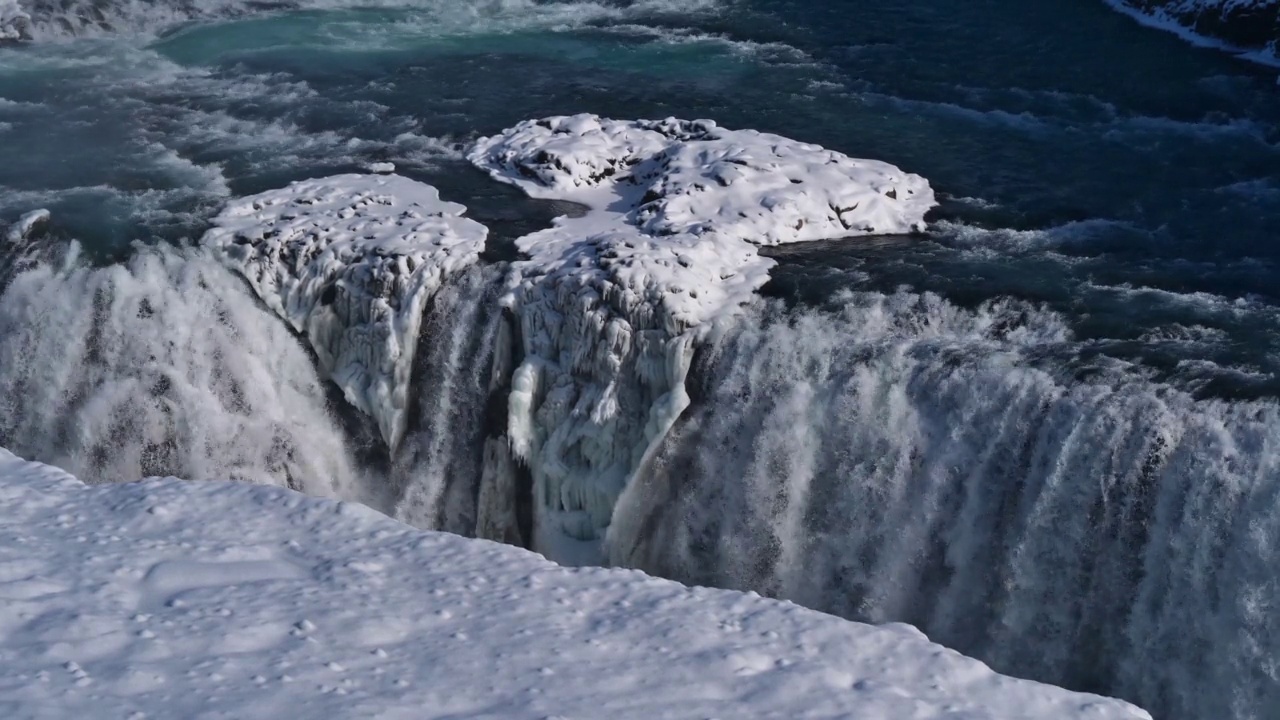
(1248, 24)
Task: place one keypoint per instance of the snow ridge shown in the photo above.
(173, 599)
(350, 262)
(610, 305)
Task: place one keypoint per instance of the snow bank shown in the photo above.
(169, 599)
(350, 262)
(610, 305)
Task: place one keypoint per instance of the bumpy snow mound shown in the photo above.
(610, 305)
(15, 23)
(350, 262)
(698, 178)
(170, 599)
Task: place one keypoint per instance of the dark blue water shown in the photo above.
(1106, 176)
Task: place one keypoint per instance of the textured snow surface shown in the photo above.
(172, 599)
(699, 178)
(611, 304)
(350, 262)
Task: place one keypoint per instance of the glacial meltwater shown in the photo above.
(1045, 429)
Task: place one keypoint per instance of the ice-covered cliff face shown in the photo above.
(350, 262)
(1245, 24)
(609, 306)
(603, 313)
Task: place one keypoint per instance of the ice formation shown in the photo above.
(610, 305)
(350, 262)
(233, 600)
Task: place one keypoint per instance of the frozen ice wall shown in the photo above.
(610, 305)
(350, 262)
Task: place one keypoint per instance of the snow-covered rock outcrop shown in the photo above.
(1252, 25)
(350, 262)
(609, 305)
(173, 599)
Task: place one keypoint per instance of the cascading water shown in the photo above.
(900, 459)
(437, 472)
(163, 365)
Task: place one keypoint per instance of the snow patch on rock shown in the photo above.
(350, 262)
(610, 305)
(173, 599)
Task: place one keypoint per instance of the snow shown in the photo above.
(174, 599)
(611, 305)
(350, 262)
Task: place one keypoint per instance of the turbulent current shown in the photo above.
(1045, 430)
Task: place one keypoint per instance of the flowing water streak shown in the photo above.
(162, 365)
(905, 460)
(438, 469)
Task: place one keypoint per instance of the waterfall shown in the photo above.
(888, 458)
(162, 365)
(438, 470)
(901, 459)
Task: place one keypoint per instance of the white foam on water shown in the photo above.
(55, 20)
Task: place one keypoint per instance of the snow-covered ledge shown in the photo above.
(611, 304)
(350, 262)
(174, 599)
